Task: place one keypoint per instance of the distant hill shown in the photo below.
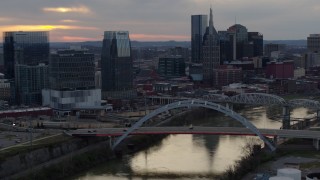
(161, 44)
(301, 42)
(133, 43)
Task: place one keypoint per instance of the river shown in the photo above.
(186, 156)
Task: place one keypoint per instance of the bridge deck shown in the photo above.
(197, 130)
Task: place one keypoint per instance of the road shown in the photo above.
(197, 130)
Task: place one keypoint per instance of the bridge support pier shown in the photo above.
(316, 144)
(318, 115)
(110, 141)
(229, 106)
(275, 141)
(286, 117)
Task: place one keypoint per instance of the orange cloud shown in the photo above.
(158, 37)
(78, 38)
(80, 9)
(2, 19)
(42, 27)
(69, 21)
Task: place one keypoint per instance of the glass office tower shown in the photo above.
(199, 24)
(27, 48)
(116, 62)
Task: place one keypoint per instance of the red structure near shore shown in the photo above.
(34, 112)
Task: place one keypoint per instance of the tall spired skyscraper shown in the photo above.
(199, 24)
(211, 52)
(116, 64)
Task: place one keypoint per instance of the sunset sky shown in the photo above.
(157, 20)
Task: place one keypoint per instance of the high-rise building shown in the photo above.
(256, 39)
(314, 43)
(227, 46)
(241, 33)
(199, 24)
(171, 67)
(29, 81)
(72, 70)
(28, 48)
(211, 52)
(72, 81)
(311, 59)
(116, 64)
(269, 48)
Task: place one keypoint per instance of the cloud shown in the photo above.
(157, 37)
(69, 21)
(4, 19)
(42, 27)
(79, 9)
(79, 39)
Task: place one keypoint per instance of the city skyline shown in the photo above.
(155, 20)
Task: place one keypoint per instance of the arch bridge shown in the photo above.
(256, 99)
(196, 103)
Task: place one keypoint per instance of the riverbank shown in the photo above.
(296, 153)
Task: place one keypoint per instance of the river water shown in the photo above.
(187, 156)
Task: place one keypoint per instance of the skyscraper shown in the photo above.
(256, 39)
(314, 43)
(227, 44)
(199, 24)
(116, 64)
(211, 52)
(241, 33)
(28, 48)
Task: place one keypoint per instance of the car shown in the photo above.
(124, 130)
(89, 131)
(94, 131)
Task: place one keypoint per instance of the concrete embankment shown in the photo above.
(22, 160)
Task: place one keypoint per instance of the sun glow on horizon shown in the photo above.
(42, 27)
(158, 37)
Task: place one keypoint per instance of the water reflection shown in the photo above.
(189, 156)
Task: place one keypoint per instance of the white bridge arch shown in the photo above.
(196, 103)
